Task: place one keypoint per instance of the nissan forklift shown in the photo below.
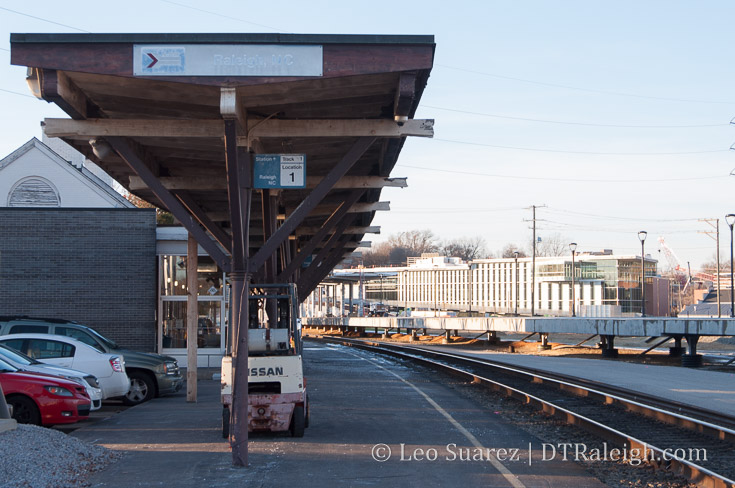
(277, 399)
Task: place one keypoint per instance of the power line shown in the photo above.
(567, 228)
(592, 90)
(44, 20)
(17, 93)
(452, 210)
(544, 178)
(619, 218)
(588, 124)
(518, 148)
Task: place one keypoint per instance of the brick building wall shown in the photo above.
(94, 266)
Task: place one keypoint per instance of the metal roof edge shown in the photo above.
(211, 38)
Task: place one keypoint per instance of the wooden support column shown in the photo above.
(269, 207)
(192, 316)
(239, 188)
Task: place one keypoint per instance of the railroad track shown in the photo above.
(698, 444)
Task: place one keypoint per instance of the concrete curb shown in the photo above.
(8, 425)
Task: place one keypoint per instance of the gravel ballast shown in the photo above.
(38, 457)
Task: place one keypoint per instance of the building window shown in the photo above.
(173, 276)
(34, 191)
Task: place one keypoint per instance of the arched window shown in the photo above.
(34, 191)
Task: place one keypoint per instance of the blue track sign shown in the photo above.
(279, 171)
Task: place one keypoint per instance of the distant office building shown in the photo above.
(605, 285)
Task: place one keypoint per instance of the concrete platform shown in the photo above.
(629, 327)
(706, 389)
(374, 422)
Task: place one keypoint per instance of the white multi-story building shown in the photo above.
(604, 284)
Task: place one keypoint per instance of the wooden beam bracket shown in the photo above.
(137, 164)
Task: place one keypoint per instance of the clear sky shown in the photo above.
(615, 115)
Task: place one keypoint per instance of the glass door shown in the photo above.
(209, 324)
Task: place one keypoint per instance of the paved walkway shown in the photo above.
(706, 389)
(358, 402)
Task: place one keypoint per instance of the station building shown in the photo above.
(73, 248)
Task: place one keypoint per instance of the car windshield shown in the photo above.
(7, 367)
(108, 342)
(16, 356)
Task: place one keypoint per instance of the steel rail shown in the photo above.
(696, 473)
(718, 425)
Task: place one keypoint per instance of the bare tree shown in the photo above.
(553, 245)
(711, 265)
(466, 248)
(378, 255)
(400, 246)
(510, 249)
(416, 242)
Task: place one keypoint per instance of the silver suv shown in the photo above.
(150, 374)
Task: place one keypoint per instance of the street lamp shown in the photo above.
(573, 247)
(642, 237)
(730, 219)
(515, 255)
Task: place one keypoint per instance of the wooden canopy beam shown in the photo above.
(361, 207)
(371, 229)
(224, 239)
(136, 163)
(320, 268)
(405, 93)
(341, 128)
(179, 183)
(329, 224)
(214, 128)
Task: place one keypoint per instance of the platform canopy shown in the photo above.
(173, 117)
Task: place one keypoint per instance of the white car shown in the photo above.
(71, 353)
(26, 363)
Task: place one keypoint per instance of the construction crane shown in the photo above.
(673, 261)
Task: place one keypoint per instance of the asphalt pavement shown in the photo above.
(374, 422)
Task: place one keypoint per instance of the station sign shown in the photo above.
(279, 171)
(227, 60)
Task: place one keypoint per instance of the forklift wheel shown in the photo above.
(225, 422)
(298, 421)
(308, 413)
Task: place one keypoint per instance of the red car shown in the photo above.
(43, 399)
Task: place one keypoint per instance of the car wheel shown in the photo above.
(141, 390)
(25, 410)
(297, 422)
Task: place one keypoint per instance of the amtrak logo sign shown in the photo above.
(161, 60)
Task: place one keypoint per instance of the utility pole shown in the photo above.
(533, 259)
(716, 226)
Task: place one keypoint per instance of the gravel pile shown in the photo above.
(37, 457)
